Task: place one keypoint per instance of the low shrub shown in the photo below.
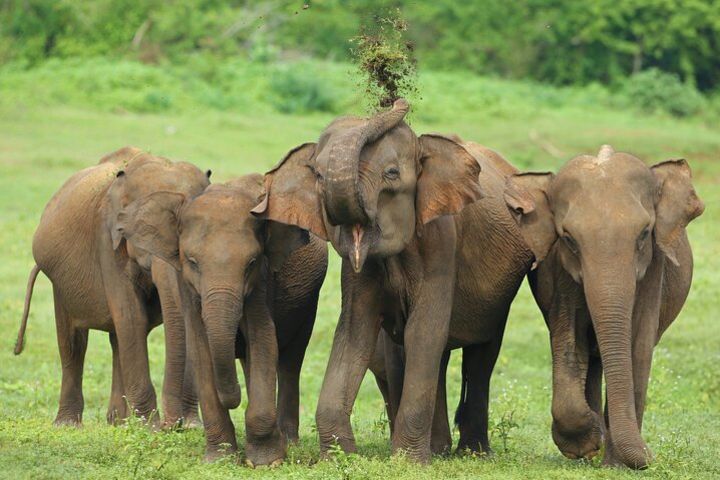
(653, 90)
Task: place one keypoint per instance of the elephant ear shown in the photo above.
(291, 193)
(676, 206)
(151, 224)
(448, 179)
(526, 197)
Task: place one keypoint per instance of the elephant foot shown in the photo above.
(290, 433)
(214, 454)
(68, 420)
(116, 414)
(440, 446)
(192, 421)
(583, 442)
(421, 455)
(474, 449)
(265, 451)
(636, 457)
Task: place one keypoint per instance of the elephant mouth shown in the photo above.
(355, 242)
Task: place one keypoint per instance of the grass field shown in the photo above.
(43, 142)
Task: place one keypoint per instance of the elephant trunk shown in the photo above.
(222, 310)
(344, 201)
(610, 295)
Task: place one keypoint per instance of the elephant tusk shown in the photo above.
(357, 241)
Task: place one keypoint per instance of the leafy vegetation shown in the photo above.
(65, 114)
(386, 58)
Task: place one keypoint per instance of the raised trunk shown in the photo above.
(343, 200)
(221, 311)
(610, 298)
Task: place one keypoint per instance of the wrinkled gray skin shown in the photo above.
(385, 199)
(250, 291)
(614, 270)
(106, 280)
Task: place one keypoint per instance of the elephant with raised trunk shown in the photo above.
(614, 268)
(423, 257)
(250, 291)
(107, 280)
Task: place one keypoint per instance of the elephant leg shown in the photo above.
(264, 445)
(395, 371)
(413, 423)
(72, 343)
(191, 415)
(219, 430)
(593, 385)
(440, 437)
(289, 365)
(478, 364)
(164, 277)
(353, 345)
(577, 430)
(117, 410)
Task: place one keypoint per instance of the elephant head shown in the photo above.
(143, 201)
(224, 253)
(369, 185)
(604, 218)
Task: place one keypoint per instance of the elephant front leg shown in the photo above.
(191, 415)
(353, 345)
(117, 410)
(264, 445)
(413, 423)
(577, 429)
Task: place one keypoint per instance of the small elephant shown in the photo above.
(105, 280)
(614, 268)
(250, 291)
(423, 257)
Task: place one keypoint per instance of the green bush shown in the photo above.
(299, 88)
(653, 90)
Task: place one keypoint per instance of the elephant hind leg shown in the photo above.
(118, 407)
(440, 437)
(478, 364)
(72, 343)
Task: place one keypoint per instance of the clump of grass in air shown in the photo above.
(385, 60)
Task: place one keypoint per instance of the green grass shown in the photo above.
(44, 139)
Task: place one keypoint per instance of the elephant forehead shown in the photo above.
(221, 209)
(154, 177)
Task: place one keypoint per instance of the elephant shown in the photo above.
(103, 279)
(250, 290)
(613, 268)
(423, 257)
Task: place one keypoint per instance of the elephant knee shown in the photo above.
(260, 424)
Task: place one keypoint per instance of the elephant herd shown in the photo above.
(435, 234)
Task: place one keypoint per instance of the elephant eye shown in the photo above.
(570, 243)
(250, 265)
(192, 261)
(392, 173)
(642, 237)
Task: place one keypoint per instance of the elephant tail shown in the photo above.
(460, 411)
(26, 311)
